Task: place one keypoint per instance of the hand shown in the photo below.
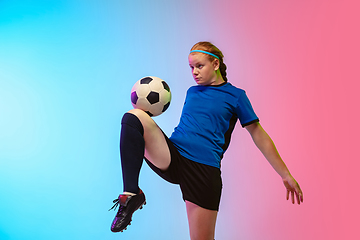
(293, 187)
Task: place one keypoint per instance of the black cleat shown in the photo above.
(128, 205)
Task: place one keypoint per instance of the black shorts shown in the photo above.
(200, 184)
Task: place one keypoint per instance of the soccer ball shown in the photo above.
(152, 95)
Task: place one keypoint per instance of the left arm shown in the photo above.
(263, 141)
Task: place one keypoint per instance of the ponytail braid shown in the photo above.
(223, 70)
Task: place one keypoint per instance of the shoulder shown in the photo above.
(233, 90)
(192, 89)
(229, 85)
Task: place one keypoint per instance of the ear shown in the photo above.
(216, 64)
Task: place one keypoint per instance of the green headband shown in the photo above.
(209, 53)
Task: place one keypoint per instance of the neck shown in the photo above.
(218, 79)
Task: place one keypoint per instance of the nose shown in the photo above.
(195, 72)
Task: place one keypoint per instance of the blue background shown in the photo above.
(66, 71)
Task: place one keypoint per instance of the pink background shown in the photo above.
(299, 62)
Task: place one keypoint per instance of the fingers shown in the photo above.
(299, 194)
(295, 194)
(287, 194)
(300, 197)
(294, 188)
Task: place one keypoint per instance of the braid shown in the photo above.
(209, 47)
(223, 70)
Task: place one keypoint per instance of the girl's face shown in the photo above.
(204, 70)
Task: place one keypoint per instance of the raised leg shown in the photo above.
(156, 148)
(140, 136)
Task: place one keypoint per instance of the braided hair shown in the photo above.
(209, 47)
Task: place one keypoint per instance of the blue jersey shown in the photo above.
(208, 119)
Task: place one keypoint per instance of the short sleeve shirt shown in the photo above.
(208, 119)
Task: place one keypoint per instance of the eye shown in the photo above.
(200, 66)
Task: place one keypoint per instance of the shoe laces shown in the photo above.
(116, 203)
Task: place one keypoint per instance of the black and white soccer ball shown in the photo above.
(152, 95)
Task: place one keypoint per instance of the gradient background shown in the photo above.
(66, 70)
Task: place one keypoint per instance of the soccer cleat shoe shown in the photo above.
(127, 206)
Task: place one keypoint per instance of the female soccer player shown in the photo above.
(191, 156)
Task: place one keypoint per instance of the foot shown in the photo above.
(128, 205)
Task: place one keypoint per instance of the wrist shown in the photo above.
(285, 175)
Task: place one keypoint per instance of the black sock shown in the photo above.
(132, 148)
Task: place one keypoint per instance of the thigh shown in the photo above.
(201, 184)
(156, 148)
(201, 222)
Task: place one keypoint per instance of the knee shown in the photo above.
(144, 118)
(139, 113)
(140, 117)
(132, 120)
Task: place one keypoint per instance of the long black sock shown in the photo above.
(132, 148)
